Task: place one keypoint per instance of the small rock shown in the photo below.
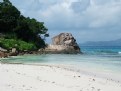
(53, 82)
(98, 89)
(93, 79)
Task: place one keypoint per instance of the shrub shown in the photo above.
(19, 44)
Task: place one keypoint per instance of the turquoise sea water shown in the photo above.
(102, 60)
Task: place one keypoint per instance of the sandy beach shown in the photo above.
(18, 77)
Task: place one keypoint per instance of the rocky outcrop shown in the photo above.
(63, 43)
(2, 49)
(63, 39)
(13, 52)
(3, 53)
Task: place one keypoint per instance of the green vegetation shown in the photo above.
(18, 44)
(20, 30)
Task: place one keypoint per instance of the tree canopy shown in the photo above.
(15, 26)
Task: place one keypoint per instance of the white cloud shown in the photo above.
(61, 16)
(104, 15)
(105, 2)
(80, 6)
(79, 15)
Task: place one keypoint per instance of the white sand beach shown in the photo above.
(18, 77)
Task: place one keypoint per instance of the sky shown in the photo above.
(87, 20)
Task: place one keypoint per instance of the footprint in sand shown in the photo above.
(93, 88)
(18, 73)
(23, 86)
(93, 79)
(53, 82)
(27, 89)
(9, 85)
(98, 89)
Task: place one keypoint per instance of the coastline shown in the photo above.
(22, 77)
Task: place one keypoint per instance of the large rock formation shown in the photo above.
(64, 43)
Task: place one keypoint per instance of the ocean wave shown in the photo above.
(102, 52)
(119, 52)
(109, 52)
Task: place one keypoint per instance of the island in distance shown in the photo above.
(102, 43)
(63, 43)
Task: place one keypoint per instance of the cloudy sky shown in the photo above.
(87, 20)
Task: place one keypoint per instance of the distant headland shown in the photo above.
(103, 43)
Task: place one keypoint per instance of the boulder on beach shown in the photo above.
(3, 53)
(2, 49)
(63, 43)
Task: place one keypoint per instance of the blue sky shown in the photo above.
(87, 20)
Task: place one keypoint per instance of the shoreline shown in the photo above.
(85, 71)
(114, 76)
(17, 77)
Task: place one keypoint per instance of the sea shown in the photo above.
(102, 61)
